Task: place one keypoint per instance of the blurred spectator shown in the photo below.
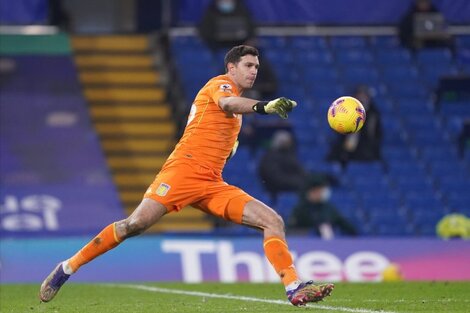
(280, 169)
(423, 27)
(58, 16)
(364, 145)
(226, 23)
(315, 212)
(464, 138)
(257, 133)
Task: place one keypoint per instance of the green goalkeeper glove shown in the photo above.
(280, 106)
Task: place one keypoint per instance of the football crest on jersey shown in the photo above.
(162, 189)
(226, 88)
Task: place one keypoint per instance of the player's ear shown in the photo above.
(230, 67)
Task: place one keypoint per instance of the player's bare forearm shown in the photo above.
(237, 105)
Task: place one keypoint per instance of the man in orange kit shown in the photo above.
(192, 175)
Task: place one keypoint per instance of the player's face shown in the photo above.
(245, 71)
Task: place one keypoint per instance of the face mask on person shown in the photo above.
(326, 194)
(226, 6)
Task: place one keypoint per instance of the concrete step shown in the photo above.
(115, 43)
(141, 163)
(136, 145)
(131, 111)
(154, 129)
(110, 77)
(124, 94)
(144, 61)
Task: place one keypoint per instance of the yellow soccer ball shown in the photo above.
(346, 115)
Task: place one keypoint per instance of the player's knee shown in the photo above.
(277, 223)
(133, 227)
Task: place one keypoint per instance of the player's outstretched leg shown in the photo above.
(257, 214)
(146, 214)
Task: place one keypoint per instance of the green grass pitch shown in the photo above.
(214, 297)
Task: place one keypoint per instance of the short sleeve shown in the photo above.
(222, 88)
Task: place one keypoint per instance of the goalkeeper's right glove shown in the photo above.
(280, 106)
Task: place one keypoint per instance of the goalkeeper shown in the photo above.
(192, 175)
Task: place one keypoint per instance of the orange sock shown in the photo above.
(106, 240)
(278, 254)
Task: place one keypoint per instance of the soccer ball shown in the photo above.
(346, 115)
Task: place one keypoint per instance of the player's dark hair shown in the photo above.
(236, 53)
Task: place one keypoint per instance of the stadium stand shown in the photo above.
(421, 179)
(51, 162)
(126, 92)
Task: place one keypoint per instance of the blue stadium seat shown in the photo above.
(395, 231)
(458, 202)
(179, 43)
(433, 57)
(393, 132)
(426, 215)
(357, 168)
(377, 88)
(385, 42)
(397, 56)
(190, 57)
(373, 182)
(292, 92)
(460, 109)
(354, 57)
(454, 184)
(331, 91)
(279, 56)
(396, 168)
(400, 73)
(462, 41)
(382, 201)
(321, 74)
(305, 43)
(426, 230)
(285, 73)
(386, 217)
(285, 204)
(415, 202)
(414, 89)
(307, 59)
(428, 137)
(432, 74)
(400, 154)
(271, 42)
(415, 108)
(359, 74)
(454, 125)
(385, 105)
(348, 42)
(424, 122)
(439, 158)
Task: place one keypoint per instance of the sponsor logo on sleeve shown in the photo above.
(226, 88)
(162, 190)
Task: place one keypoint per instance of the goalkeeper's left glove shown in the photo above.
(280, 106)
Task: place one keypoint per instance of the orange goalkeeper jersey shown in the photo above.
(210, 132)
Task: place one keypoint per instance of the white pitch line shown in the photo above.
(242, 298)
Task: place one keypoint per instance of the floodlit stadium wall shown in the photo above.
(192, 260)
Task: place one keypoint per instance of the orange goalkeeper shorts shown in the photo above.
(182, 183)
